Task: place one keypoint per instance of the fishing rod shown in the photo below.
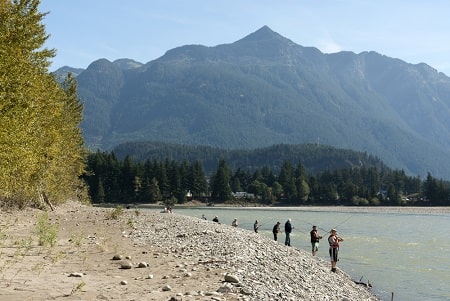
(335, 227)
(340, 224)
(320, 228)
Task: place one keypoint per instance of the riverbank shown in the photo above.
(181, 258)
(361, 209)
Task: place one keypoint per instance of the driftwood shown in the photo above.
(212, 261)
(368, 284)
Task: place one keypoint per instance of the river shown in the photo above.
(404, 254)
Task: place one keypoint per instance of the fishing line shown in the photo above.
(335, 227)
(320, 228)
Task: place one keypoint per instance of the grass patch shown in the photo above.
(46, 232)
(116, 213)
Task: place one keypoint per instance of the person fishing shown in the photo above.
(287, 231)
(315, 237)
(234, 223)
(333, 241)
(256, 226)
(276, 229)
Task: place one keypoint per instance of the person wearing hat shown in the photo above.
(287, 231)
(276, 229)
(216, 219)
(333, 241)
(315, 237)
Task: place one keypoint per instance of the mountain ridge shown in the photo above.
(264, 89)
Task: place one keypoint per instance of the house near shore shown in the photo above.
(242, 195)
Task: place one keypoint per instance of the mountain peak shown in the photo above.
(265, 34)
(126, 64)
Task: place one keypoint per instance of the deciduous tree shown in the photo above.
(41, 148)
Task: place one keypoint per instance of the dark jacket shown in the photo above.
(288, 227)
(276, 228)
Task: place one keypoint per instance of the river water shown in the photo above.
(404, 255)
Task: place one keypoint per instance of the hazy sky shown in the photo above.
(83, 31)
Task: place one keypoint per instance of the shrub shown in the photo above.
(46, 232)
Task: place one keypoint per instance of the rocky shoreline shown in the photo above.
(247, 266)
(161, 256)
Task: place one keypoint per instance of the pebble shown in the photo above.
(126, 265)
(254, 266)
(143, 265)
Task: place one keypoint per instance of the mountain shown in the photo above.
(62, 72)
(263, 90)
(126, 64)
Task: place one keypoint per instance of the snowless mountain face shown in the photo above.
(264, 90)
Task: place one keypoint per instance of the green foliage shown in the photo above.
(314, 158)
(361, 185)
(41, 144)
(221, 189)
(46, 232)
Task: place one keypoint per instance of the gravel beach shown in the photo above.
(149, 255)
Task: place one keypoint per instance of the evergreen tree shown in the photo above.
(127, 180)
(155, 193)
(221, 189)
(287, 180)
(199, 185)
(430, 189)
(100, 198)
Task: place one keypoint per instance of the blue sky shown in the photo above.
(83, 31)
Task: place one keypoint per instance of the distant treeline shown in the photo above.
(314, 157)
(133, 181)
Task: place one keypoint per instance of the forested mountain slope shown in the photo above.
(263, 90)
(314, 158)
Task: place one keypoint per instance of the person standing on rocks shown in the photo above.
(315, 237)
(334, 241)
(234, 223)
(287, 231)
(276, 230)
(256, 226)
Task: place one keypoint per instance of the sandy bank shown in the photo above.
(182, 258)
